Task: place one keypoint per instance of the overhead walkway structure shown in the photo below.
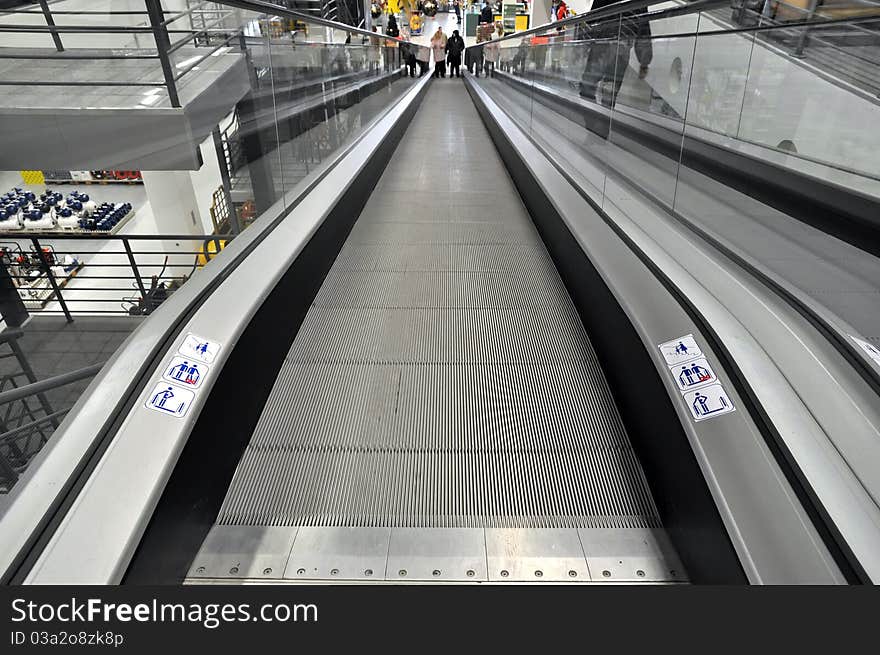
(139, 88)
(495, 339)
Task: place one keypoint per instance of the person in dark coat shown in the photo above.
(392, 29)
(423, 57)
(520, 58)
(474, 59)
(454, 48)
(408, 55)
(486, 14)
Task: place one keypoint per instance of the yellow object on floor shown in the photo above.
(210, 250)
(33, 177)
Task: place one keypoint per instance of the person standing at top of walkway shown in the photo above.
(456, 7)
(423, 56)
(493, 50)
(408, 56)
(486, 14)
(392, 29)
(454, 48)
(438, 45)
(561, 11)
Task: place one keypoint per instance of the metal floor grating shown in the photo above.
(442, 378)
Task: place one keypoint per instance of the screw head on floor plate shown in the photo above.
(539, 573)
(300, 571)
(267, 571)
(470, 573)
(334, 571)
(402, 573)
(201, 569)
(368, 572)
(435, 572)
(505, 573)
(606, 573)
(640, 573)
(572, 574)
(233, 570)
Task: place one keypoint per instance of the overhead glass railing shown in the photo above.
(755, 137)
(849, 49)
(145, 121)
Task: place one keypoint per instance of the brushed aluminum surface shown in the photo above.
(441, 387)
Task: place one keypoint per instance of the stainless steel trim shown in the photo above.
(304, 555)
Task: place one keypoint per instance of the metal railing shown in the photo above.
(272, 9)
(814, 24)
(640, 10)
(27, 416)
(161, 24)
(350, 12)
(122, 274)
(206, 27)
(818, 34)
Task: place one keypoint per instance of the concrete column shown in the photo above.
(181, 200)
(540, 13)
(172, 198)
(206, 181)
(175, 208)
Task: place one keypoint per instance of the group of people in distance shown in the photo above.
(447, 50)
(604, 60)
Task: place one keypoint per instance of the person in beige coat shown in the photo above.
(438, 46)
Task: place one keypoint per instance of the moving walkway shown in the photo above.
(441, 396)
(445, 360)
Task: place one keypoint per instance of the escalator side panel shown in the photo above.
(191, 499)
(835, 210)
(683, 499)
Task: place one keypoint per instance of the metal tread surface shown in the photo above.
(251, 555)
(442, 379)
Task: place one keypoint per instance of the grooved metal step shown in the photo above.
(441, 411)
